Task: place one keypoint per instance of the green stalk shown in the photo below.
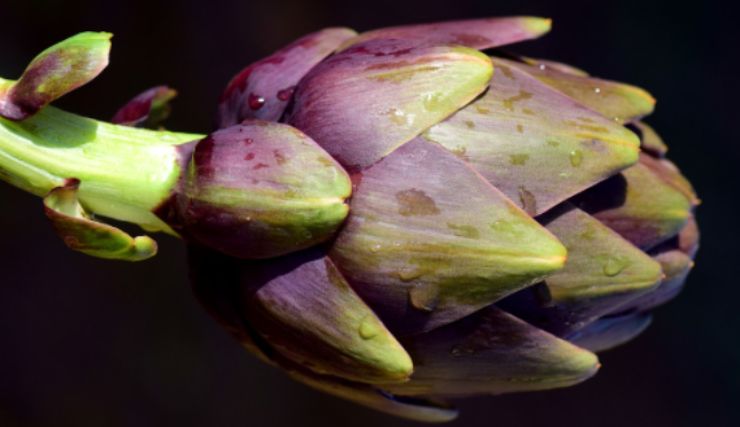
(124, 172)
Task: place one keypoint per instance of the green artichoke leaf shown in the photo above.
(147, 109)
(676, 258)
(479, 34)
(366, 101)
(650, 141)
(302, 305)
(536, 145)
(603, 273)
(492, 352)
(55, 72)
(264, 89)
(609, 332)
(429, 241)
(643, 206)
(676, 267)
(616, 101)
(549, 64)
(81, 233)
(259, 189)
(669, 173)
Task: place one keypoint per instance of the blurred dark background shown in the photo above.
(85, 342)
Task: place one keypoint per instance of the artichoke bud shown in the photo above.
(257, 190)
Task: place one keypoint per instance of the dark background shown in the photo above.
(86, 342)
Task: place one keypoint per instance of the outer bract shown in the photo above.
(392, 217)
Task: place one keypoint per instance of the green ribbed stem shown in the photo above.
(124, 172)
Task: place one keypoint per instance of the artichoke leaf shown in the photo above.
(147, 109)
(479, 34)
(641, 205)
(429, 241)
(616, 101)
(524, 136)
(492, 352)
(609, 332)
(306, 310)
(366, 101)
(602, 274)
(264, 89)
(55, 72)
(83, 234)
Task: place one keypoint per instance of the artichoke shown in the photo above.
(392, 217)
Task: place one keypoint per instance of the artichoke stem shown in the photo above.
(125, 172)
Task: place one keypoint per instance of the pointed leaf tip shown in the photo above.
(492, 352)
(147, 109)
(83, 234)
(366, 101)
(314, 318)
(425, 252)
(264, 89)
(483, 33)
(55, 72)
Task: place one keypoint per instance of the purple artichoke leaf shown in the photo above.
(425, 248)
(263, 90)
(55, 72)
(366, 101)
(473, 33)
(259, 189)
(534, 143)
(616, 101)
(650, 141)
(308, 312)
(492, 352)
(676, 266)
(548, 64)
(669, 173)
(83, 234)
(609, 332)
(147, 109)
(639, 205)
(603, 273)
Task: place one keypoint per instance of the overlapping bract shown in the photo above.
(395, 217)
(469, 193)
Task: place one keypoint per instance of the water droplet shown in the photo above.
(614, 266)
(397, 116)
(543, 67)
(576, 158)
(424, 297)
(375, 248)
(369, 327)
(597, 90)
(286, 93)
(433, 101)
(255, 101)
